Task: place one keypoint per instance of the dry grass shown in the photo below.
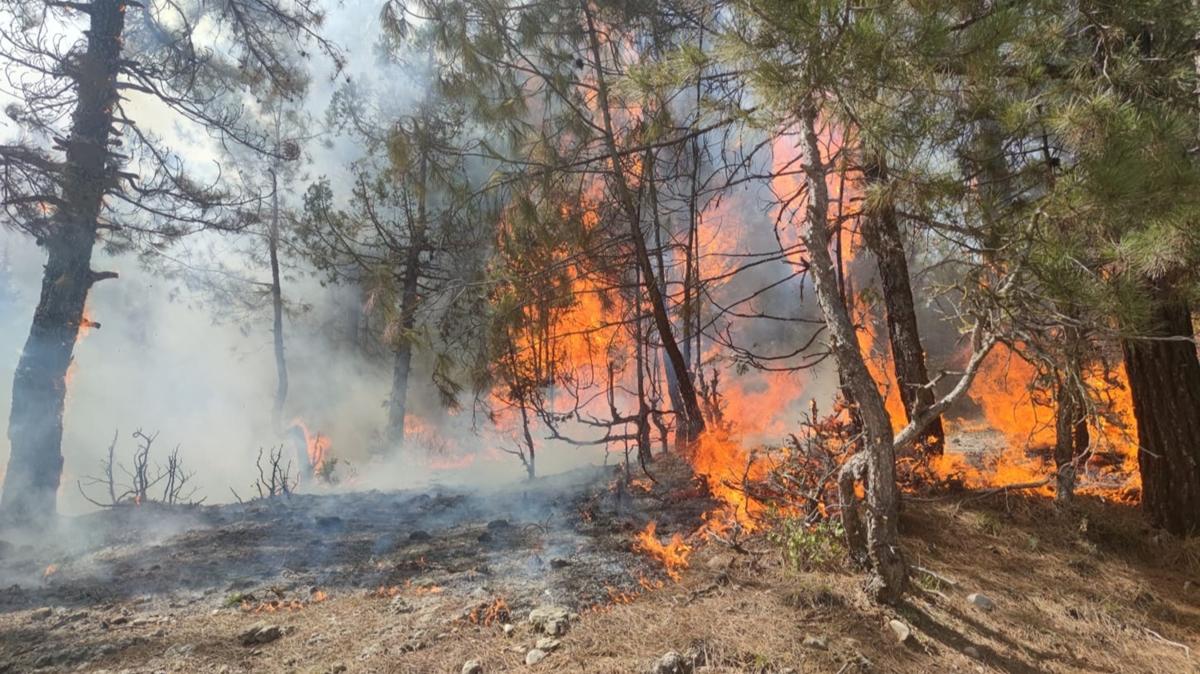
(1085, 591)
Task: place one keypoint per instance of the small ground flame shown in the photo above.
(673, 555)
(493, 613)
(316, 444)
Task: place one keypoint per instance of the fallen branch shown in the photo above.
(937, 576)
(1161, 639)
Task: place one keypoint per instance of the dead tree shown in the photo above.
(625, 197)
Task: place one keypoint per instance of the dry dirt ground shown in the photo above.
(408, 582)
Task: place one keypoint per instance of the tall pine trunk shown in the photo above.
(281, 372)
(672, 380)
(1071, 437)
(1164, 380)
(658, 306)
(402, 356)
(39, 385)
(881, 232)
(409, 300)
(880, 543)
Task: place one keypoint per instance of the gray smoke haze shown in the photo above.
(168, 359)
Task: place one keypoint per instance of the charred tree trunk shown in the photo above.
(879, 544)
(281, 373)
(39, 385)
(672, 379)
(881, 232)
(645, 455)
(531, 451)
(1164, 380)
(658, 307)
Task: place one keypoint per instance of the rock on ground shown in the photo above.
(672, 663)
(551, 620)
(535, 656)
(260, 633)
(903, 632)
(982, 601)
(547, 644)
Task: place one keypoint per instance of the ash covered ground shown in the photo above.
(129, 584)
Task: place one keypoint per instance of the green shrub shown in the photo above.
(809, 546)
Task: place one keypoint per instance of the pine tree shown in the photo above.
(84, 169)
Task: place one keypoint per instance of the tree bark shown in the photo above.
(881, 232)
(402, 363)
(658, 307)
(39, 385)
(281, 373)
(409, 300)
(1071, 437)
(1164, 381)
(672, 380)
(882, 535)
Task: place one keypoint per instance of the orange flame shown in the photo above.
(316, 444)
(1008, 394)
(490, 614)
(674, 554)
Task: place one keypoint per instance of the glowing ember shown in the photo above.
(386, 591)
(86, 325)
(673, 555)
(618, 597)
(51, 569)
(492, 613)
(273, 606)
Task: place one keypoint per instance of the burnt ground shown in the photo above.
(1091, 589)
(115, 583)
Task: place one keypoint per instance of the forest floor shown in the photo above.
(426, 582)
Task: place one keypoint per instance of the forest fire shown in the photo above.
(493, 613)
(561, 274)
(728, 467)
(673, 554)
(392, 591)
(1014, 404)
(316, 446)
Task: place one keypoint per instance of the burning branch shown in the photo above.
(982, 342)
